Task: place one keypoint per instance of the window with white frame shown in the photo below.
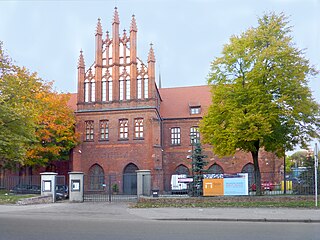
(146, 88)
(86, 91)
(104, 130)
(123, 129)
(110, 89)
(138, 128)
(93, 90)
(139, 88)
(121, 89)
(194, 135)
(195, 110)
(175, 136)
(128, 88)
(89, 130)
(104, 90)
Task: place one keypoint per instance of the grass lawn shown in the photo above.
(245, 202)
(8, 198)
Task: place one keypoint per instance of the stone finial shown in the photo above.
(116, 16)
(133, 26)
(151, 57)
(81, 60)
(99, 28)
(107, 36)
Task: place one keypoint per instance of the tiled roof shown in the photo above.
(72, 103)
(176, 102)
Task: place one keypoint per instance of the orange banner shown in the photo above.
(213, 187)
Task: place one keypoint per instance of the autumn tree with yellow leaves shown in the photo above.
(36, 125)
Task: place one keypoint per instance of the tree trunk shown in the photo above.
(257, 174)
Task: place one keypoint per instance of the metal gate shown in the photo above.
(110, 188)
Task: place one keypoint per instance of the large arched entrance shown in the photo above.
(130, 179)
(96, 178)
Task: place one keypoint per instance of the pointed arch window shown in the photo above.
(93, 90)
(110, 89)
(121, 89)
(146, 87)
(139, 88)
(86, 91)
(216, 169)
(128, 88)
(104, 90)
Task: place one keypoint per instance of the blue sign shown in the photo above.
(235, 186)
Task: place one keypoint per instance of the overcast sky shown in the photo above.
(46, 36)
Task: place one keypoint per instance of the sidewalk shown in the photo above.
(230, 214)
(121, 211)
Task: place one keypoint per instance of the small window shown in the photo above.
(89, 130)
(138, 128)
(104, 130)
(175, 136)
(195, 110)
(123, 129)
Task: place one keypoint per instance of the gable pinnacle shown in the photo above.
(116, 16)
(151, 57)
(133, 26)
(81, 60)
(99, 28)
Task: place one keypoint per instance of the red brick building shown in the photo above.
(126, 122)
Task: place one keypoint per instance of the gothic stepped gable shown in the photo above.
(117, 74)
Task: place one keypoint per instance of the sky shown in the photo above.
(47, 36)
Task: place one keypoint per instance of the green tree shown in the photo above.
(198, 164)
(36, 125)
(260, 94)
(17, 110)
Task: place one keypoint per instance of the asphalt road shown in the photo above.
(51, 229)
(118, 222)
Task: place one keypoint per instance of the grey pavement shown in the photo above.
(121, 211)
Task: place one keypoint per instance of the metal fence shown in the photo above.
(271, 184)
(110, 188)
(10, 182)
(26, 184)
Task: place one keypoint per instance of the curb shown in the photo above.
(241, 220)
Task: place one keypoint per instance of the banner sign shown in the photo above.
(225, 184)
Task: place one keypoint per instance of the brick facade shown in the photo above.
(120, 86)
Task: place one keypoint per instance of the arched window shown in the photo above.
(128, 88)
(215, 169)
(182, 169)
(104, 89)
(139, 88)
(93, 90)
(121, 88)
(96, 178)
(110, 89)
(146, 87)
(249, 168)
(86, 90)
